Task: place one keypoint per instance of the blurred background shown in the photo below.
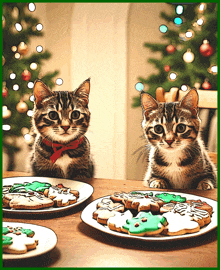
(70, 42)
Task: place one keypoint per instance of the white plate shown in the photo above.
(46, 237)
(87, 217)
(85, 191)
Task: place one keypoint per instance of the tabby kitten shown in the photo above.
(177, 157)
(60, 120)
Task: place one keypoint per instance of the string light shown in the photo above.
(39, 27)
(179, 9)
(30, 85)
(39, 49)
(200, 22)
(12, 76)
(31, 7)
(32, 98)
(15, 87)
(33, 66)
(27, 137)
(172, 76)
(6, 127)
(59, 81)
(14, 48)
(163, 28)
(17, 55)
(184, 87)
(139, 86)
(178, 21)
(30, 113)
(18, 27)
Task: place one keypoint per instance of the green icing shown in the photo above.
(5, 230)
(143, 194)
(6, 240)
(27, 187)
(144, 222)
(167, 197)
(9, 229)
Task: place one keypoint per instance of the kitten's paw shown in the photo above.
(205, 185)
(158, 184)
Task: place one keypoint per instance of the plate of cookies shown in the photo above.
(42, 194)
(24, 240)
(152, 215)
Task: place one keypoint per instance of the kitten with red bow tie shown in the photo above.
(60, 121)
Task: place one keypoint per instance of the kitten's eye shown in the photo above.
(53, 115)
(158, 129)
(181, 128)
(75, 114)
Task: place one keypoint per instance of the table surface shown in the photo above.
(85, 246)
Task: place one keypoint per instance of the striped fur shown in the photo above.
(61, 117)
(176, 155)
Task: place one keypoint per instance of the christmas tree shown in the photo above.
(21, 67)
(189, 57)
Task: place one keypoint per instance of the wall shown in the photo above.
(143, 26)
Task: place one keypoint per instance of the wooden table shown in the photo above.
(80, 245)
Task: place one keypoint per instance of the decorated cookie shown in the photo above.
(61, 197)
(32, 200)
(28, 187)
(144, 224)
(200, 205)
(167, 198)
(123, 196)
(178, 224)
(66, 189)
(116, 222)
(18, 240)
(146, 203)
(198, 215)
(107, 209)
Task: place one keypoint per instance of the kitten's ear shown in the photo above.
(190, 101)
(148, 104)
(41, 91)
(83, 91)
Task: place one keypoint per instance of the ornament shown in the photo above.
(23, 48)
(3, 60)
(197, 85)
(170, 49)
(26, 75)
(4, 91)
(3, 22)
(6, 113)
(206, 49)
(139, 86)
(188, 56)
(206, 85)
(22, 107)
(167, 68)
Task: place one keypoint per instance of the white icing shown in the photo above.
(59, 194)
(119, 219)
(177, 222)
(20, 242)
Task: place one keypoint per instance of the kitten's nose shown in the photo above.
(65, 128)
(169, 142)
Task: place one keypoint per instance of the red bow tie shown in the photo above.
(58, 148)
